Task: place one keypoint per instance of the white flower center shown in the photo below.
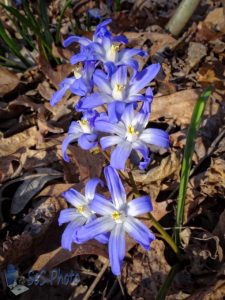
(118, 91)
(84, 211)
(131, 134)
(78, 70)
(111, 55)
(117, 216)
(84, 124)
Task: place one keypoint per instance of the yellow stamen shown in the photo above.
(131, 130)
(78, 70)
(119, 87)
(83, 122)
(115, 48)
(116, 215)
(80, 209)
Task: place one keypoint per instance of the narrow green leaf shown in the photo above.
(57, 38)
(12, 45)
(44, 20)
(167, 283)
(188, 152)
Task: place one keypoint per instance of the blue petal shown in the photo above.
(105, 126)
(102, 83)
(57, 96)
(91, 101)
(155, 137)
(80, 57)
(119, 77)
(102, 206)
(139, 206)
(102, 238)
(76, 39)
(67, 236)
(87, 141)
(142, 148)
(90, 187)
(117, 248)
(94, 228)
(143, 78)
(69, 139)
(115, 187)
(108, 141)
(120, 154)
(110, 68)
(80, 87)
(67, 215)
(75, 198)
(128, 115)
(103, 24)
(126, 54)
(120, 39)
(115, 110)
(139, 232)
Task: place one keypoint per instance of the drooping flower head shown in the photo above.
(79, 84)
(80, 214)
(82, 131)
(117, 217)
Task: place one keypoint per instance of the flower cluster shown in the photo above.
(115, 104)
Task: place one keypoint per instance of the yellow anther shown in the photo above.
(119, 87)
(115, 48)
(116, 215)
(131, 130)
(83, 122)
(80, 209)
(78, 70)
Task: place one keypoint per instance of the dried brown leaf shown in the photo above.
(24, 139)
(145, 275)
(177, 106)
(54, 258)
(8, 81)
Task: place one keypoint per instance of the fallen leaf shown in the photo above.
(54, 258)
(177, 106)
(30, 187)
(196, 51)
(146, 273)
(24, 139)
(8, 81)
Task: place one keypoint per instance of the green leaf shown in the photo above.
(43, 14)
(188, 152)
(12, 45)
(57, 38)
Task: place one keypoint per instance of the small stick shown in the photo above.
(182, 15)
(95, 282)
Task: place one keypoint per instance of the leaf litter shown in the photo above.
(31, 132)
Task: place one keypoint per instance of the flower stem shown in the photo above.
(155, 223)
(164, 234)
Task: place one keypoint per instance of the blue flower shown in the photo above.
(80, 214)
(80, 84)
(130, 134)
(117, 217)
(104, 48)
(83, 132)
(117, 91)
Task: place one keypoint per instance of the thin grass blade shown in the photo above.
(188, 153)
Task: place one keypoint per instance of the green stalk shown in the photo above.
(57, 38)
(167, 283)
(188, 152)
